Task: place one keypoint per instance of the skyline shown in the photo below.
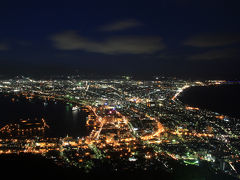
(178, 38)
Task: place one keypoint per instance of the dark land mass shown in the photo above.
(223, 99)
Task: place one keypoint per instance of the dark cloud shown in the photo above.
(3, 47)
(121, 25)
(24, 43)
(219, 54)
(114, 45)
(169, 56)
(213, 40)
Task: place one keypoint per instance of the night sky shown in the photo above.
(185, 38)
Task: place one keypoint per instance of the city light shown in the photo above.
(133, 121)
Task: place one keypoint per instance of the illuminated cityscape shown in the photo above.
(132, 124)
(120, 89)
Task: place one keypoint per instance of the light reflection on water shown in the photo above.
(60, 117)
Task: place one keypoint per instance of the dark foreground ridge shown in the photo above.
(29, 166)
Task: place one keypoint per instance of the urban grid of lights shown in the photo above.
(139, 122)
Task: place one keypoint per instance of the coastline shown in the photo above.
(203, 97)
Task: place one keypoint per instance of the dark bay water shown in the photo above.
(58, 115)
(224, 99)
